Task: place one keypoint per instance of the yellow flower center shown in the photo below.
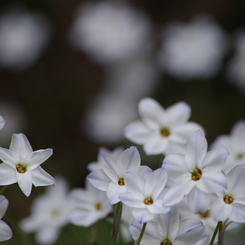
(121, 181)
(98, 206)
(166, 242)
(239, 155)
(21, 168)
(148, 201)
(228, 199)
(164, 132)
(196, 174)
(204, 215)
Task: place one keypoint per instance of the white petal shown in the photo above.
(134, 200)
(20, 145)
(212, 182)
(47, 235)
(137, 132)
(215, 159)
(196, 150)
(7, 174)
(151, 113)
(130, 158)
(238, 134)
(25, 185)
(174, 165)
(178, 113)
(41, 178)
(156, 145)
(5, 231)
(2, 122)
(3, 205)
(190, 231)
(99, 179)
(220, 210)
(134, 182)
(112, 168)
(198, 201)
(238, 213)
(8, 157)
(34, 159)
(142, 215)
(113, 192)
(236, 180)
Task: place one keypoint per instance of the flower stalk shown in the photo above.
(116, 221)
(137, 242)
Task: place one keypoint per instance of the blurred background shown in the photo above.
(72, 74)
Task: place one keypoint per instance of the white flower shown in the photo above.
(5, 231)
(98, 165)
(194, 49)
(196, 174)
(144, 194)
(169, 230)
(21, 164)
(111, 177)
(235, 144)
(235, 69)
(161, 131)
(90, 205)
(22, 37)
(231, 202)
(49, 213)
(109, 31)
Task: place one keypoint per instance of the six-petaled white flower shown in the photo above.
(21, 164)
(196, 174)
(161, 130)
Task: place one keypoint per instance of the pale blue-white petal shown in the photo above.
(20, 145)
(196, 150)
(41, 178)
(3, 205)
(238, 213)
(5, 231)
(134, 182)
(236, 180)
(25, 185)
(47, 234)
(156, 144)
(130, 158)
(34, 159)
(142, 215)
(151, 113)
(113, 192)
(99, 179)
(2, 122)
(7, 174)
(137, 132)
(220, 210)
(134, 200)
(8, 157)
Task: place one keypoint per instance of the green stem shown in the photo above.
(3, 189)
(116, 221)
(137, 242)
(217, 228)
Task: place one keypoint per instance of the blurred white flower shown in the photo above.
(235, 69)
(5, 231)
(192, 50)
(23, 36)
(116, 105)
(235, 144)
(161, 130)
(2, 122)
(49, 213)
(109, 31)
(15, 119)
(90, 205)
(21, 164)
(98, 165)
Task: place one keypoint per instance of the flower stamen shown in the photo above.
(164, 132)
(196, 174)
(228, 199)
(148, 201)
(166, 242)
(204, 215)
(21, 168)
(98, 206)
(121, 181)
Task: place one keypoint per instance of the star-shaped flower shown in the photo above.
(21, 164)
(161, 130)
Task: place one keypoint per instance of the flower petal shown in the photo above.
(2, 122)
(24, 185)
(220, 210)
(113, 192)
(99, 179)
(8, 157)
(156, 144)
(196, 150)
(20, 145)
(135, 201)
(34, 159)
(142, 215)
(3, 205)
(7, 174)
(5, 231)
(41, 177)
